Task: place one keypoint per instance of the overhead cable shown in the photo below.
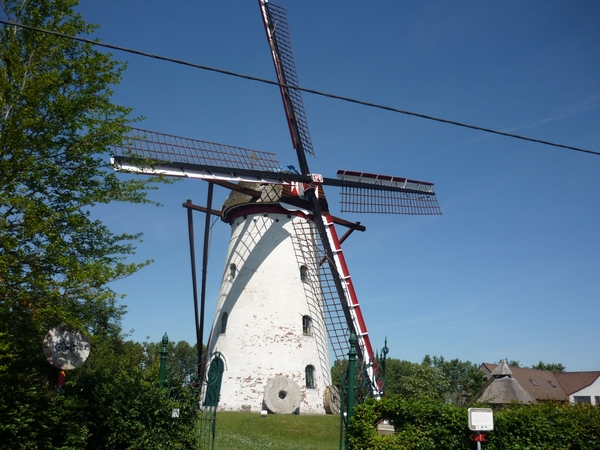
(307, 90)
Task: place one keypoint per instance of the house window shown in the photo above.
(223, 323)
(597, 398)
(533, 382)
(303, 274)
(310, 377)
(582, 399)
(551, 384)
(306, 326)
(232, 270)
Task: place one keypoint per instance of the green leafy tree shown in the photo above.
(464, 377)
(415, 381)
(339, 366)
(56, 129)
(181, 355)
(452, 381)
(57, 126)
(552, 367)
(120, 403)
(511, 362)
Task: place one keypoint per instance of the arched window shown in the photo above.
(223, 323)
(232, 270)
(303, 274)
(306, 326)
(310, 377)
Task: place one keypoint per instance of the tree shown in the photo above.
(57, 125)
(464, 377)
(339, 366)
(452, 381)
(181, 356)
(552, 367)
(511, 362)
(120, 403)
(413, 380)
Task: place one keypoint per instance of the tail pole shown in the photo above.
(364, 341)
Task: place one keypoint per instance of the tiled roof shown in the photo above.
(576, 381)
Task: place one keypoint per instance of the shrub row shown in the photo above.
(423, 424)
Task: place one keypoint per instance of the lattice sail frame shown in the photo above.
(151, 153)
(277, 29)
(340, 319)
(416, 198)
(168, 148)
(308, 241)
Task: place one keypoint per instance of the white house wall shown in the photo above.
(592, 391)
(265, 301)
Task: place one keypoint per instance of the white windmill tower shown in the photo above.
(286, 295)
(270, 323)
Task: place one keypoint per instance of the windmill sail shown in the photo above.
(337, 314)
(414, 198)
(276, 27)
(278, 35)
(149, 152)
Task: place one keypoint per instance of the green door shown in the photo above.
(213, 383)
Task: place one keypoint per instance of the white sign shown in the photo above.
(481, 419)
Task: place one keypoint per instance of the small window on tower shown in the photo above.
(306, 326)
(223, 323)
(303, 274)
(232, 270)
(310, 377)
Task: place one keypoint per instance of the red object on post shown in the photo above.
(478, 437)
(61, 379)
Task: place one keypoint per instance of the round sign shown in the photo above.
(66, 349)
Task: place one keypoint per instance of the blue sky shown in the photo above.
(512, 268)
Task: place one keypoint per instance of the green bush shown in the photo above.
(110, 402)
(548, 425)
(428, 424)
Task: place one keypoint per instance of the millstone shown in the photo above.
(282, 395)
(331, 400)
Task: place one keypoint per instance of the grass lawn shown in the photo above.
(251, 431)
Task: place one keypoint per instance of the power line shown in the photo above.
(307, 90)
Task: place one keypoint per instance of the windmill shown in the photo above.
(286, 296)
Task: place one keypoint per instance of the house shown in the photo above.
(505, 384)
(581, 387)
(501, 387)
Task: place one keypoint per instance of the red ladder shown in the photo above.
(364, 342)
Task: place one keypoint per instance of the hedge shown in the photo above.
(423, 424)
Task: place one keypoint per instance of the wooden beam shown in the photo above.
(201, 208)
(356, 226)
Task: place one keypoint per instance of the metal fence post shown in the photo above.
(384, 351)
(351, 382)
(163, 361)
